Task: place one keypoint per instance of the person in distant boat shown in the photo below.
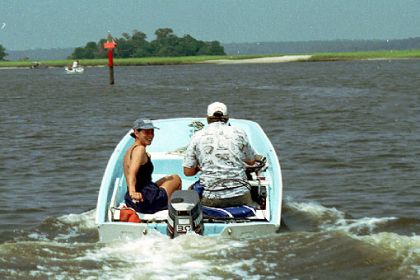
(142, 194)
(220, 152)
(75, 64)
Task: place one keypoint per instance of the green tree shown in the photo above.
(90, 51)
(142, 48)
(125, 48)
(138, 36)
(164, 33)
(188, 46)
(3, 53)
(136, 45)
(102, 53)
(165, 42)
(211, 48)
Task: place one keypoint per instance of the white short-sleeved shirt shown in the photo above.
(220, 151)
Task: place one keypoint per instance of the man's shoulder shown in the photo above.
(235, 129)
(199, 133)
(216, 128)
(198, 136)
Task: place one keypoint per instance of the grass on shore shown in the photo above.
(404, 54)
(125, 61)
(202, 59)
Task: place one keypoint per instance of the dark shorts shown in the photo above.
(198, 188)
(154, 199)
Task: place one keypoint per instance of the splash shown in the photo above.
(157, 257)
(67, 228)
(405, 248)
(332, 219)
(84, 220)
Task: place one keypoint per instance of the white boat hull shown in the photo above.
(77, 70)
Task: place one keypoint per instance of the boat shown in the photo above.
(185, 214)
(75, 70)
(37, 65)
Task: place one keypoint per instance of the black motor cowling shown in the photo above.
(185, 214)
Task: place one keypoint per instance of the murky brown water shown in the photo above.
(347, 135)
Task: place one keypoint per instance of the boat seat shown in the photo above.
(158, 216)
(239, 212)
(242, 211)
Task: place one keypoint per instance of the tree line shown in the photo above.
(3, 53)
(136, 45)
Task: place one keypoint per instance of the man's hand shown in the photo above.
(260, 159)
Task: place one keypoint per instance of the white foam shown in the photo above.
(157, 257)
(75, 225)
(316, 210)
(84, 220)
(331, 219)
(38, 236)
(405, 247)
(357, 225)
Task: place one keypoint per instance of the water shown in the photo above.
(347, 136)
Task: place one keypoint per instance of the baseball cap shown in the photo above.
(142, 124)
(217, 107)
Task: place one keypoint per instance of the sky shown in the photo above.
(46, 24)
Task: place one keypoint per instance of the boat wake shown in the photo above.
(159, 257)
(331, 219)
(371, 230)
(68, 246)
(58, 246)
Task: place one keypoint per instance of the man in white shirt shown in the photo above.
(75, 64)
(220, 152)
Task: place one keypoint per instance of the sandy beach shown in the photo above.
(274, 59)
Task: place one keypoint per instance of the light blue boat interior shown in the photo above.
(166, 150)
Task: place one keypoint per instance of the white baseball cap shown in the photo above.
(217, 107)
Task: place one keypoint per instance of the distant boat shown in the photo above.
(76, 70)
(185, 212)
(37, 65)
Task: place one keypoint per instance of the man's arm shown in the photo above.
(250, 162)
(190, 160)
(191, 171)
(250, 156)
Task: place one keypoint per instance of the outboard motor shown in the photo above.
(185, 213)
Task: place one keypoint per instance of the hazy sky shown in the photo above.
(26, 24)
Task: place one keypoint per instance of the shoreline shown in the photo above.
(240, 59)
(264, 60)
(272, 59)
